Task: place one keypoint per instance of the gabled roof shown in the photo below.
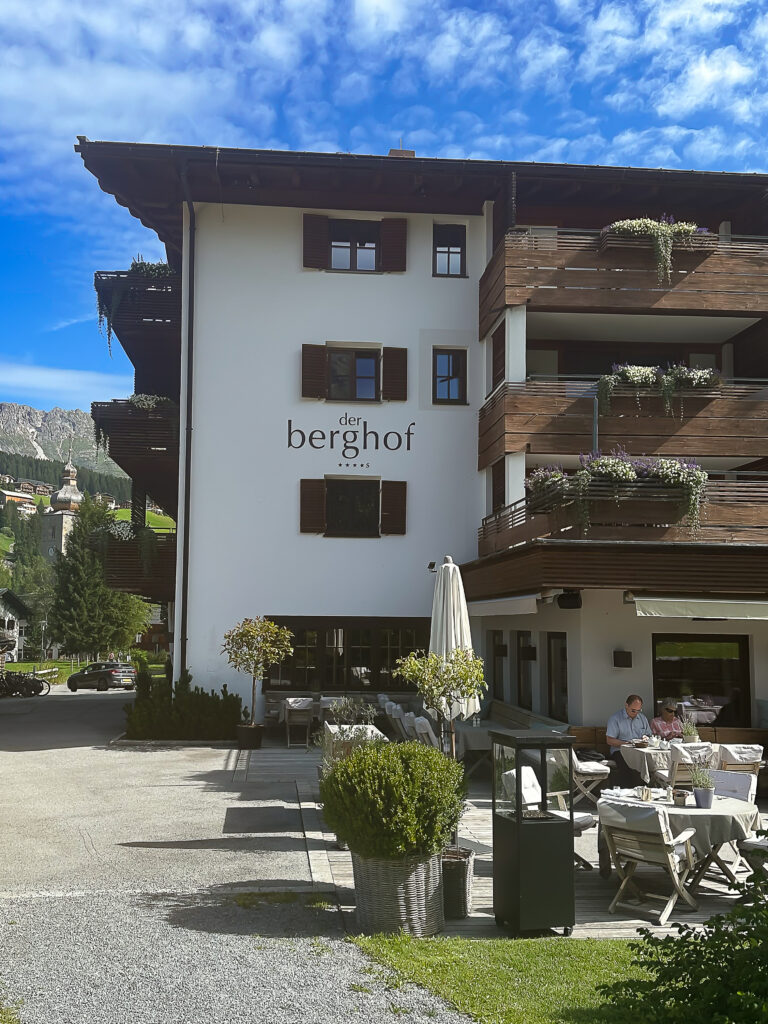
(10, 600)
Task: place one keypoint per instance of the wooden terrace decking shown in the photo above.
(331, 866)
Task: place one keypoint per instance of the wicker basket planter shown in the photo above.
(398, 895)
(458, 873)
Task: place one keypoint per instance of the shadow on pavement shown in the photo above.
(274, 913)
(280, 844)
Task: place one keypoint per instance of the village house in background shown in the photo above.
(402, 347)
(15, 616)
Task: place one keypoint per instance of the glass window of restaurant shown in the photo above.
(524, 668)
(557, 675)
(708, 674)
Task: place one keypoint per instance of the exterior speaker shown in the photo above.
(622, 659)
(570, 599)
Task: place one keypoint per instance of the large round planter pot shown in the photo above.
(249, 736)
(703, 797)
(398, 895)
(458, 873)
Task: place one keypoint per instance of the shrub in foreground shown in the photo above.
(716, 974)
(163, 712)
(393, 800)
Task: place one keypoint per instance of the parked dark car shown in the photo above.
(103, 675)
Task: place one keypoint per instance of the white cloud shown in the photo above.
(75, 388)
(544, 59)
(708, 81)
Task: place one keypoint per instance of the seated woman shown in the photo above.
(667, 725)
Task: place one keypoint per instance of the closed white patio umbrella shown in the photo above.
(450, 630)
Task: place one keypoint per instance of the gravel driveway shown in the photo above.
(127, 880)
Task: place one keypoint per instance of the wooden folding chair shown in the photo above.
(298, 711)
(425, 733)
(741, 757)
(640, 834)
(684, 756)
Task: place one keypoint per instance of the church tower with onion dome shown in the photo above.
(60, 516)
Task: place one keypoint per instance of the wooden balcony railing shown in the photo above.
(153, 575)
(145, 444)
(590, 271)
(735, 511)
(556, 416)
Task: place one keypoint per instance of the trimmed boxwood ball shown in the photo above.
(394, 800)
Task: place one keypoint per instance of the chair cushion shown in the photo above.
(592, 768)
(581, 819)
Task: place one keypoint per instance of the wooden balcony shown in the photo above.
(145, 444)
(734, 512)
(150, 575)
(556, 417)
(146, 319)
(588, 271)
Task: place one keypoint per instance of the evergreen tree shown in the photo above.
(86, 616)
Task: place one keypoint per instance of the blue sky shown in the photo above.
(673, 83)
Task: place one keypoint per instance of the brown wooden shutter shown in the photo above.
(499, 355)
(394, 375)
(498, 485)
(313, 371)
(394, 234)
(316, 242)
(312, 506)
(393, 493)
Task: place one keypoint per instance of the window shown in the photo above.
(354, 244)
(449, 376)
(557, 675)
(348, 654)
(352, 508)
(353, 375)
(341, 507)
(356, 375)
(449, 250)
(498, 651)
(708, 671)
(524, 649)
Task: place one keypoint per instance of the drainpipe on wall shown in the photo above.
(188, 420)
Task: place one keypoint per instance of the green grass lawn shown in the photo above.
(157, 522)
(6, 543)
(65, 667)
(511, 981)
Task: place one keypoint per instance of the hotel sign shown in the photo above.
(352, 438)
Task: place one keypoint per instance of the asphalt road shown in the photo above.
(62, 719)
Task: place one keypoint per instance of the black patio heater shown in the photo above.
(533, 887)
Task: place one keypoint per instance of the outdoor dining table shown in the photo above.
(319, 706)
(647, 760)
(726, 821)
(472, 737)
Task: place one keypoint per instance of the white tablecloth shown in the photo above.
(724, 821)
(472, 737)
(339, 740)
(647, 760)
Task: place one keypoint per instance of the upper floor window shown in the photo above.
(350, 374)
(353, 375)
(449, 250)
(354, 244)
(342, 507)
(449, 376)
(357, 246)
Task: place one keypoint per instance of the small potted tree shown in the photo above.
(395, 805)
(444, 682)
(255, 645)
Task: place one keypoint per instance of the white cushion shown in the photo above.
(741, 753)
(592, 768)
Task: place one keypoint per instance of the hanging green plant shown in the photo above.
(663, 234)
(679, 378)
(638, 377)
(108, 304)
(124, 530)
(547, 484)
(149, 402)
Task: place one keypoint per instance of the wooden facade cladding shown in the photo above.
(146, 319)
(734, 511)
(659, 568)
(152, 576)
(556, 417)
(581, 271)
(145, 444)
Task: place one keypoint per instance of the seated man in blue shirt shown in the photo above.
(626, 725)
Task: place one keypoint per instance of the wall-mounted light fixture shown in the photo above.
(622, 659)
(431, 567)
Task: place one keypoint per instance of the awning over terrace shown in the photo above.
(671, 607)
(525, 604)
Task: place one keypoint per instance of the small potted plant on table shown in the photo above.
(703, 786)
(395, 805)
(689, 729)
(255, 645)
